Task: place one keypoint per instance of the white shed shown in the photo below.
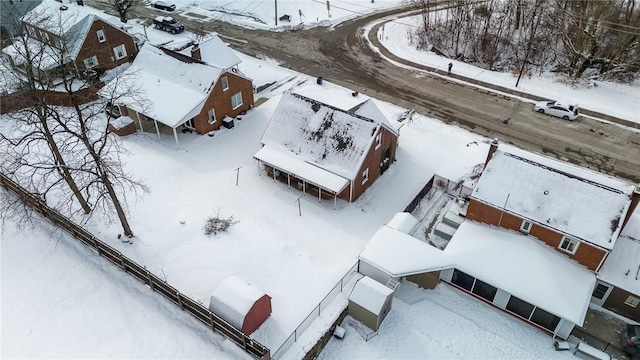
(370, 302)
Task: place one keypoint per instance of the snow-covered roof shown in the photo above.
(215, 52)
(622, 266)
(323, 135)
(524, 267)
(369, 110)
(284, 159)
(173, 90)
(581, 203)
(399, 254)
(505, 259)
(370, 294)
(233, 299)
(49, 15)
(403, 221)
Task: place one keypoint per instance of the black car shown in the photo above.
(163, 5)
(630, 340)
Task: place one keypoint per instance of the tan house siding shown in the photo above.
(586, 254)
(615, 303)
(104, 51)
(425, 280)
(220, 100)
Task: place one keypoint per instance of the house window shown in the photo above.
(212, 116)
(520, 307)
(120, 51)
(101, 37)
(484, 290)
(236, 100)
(91, 62)
(545, 319)
(225, 83)
(600, 291)
(378, 140)
(365, 175)
(568, 245)
(632, 301)
(525, 227)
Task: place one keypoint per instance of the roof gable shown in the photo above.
(572, 200)
(323, 135)
(215, 52)
(173, 90)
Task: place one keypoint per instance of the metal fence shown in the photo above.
(211, 320)
(328, 299)
(451, 187)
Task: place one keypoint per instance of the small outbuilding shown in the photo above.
(370, 302)
(240, 304)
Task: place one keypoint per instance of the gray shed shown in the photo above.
(370, 302)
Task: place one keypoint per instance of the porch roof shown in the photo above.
(510, 261)
(296, 165)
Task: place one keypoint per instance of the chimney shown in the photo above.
(493, 146)
(195, 52)
(635, 200)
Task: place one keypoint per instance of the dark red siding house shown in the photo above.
(65, 39)
(327, 151)
(181, 91)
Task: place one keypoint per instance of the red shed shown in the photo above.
(240, 304)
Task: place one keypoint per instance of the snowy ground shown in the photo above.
(617, 100)
(295, 259)
(444, 323)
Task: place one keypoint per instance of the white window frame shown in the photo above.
(570, 241)
(378, 140)
(124, 52)
(365, 176)
(526, 226)
(632, 301)
(234, 99)
(101, 37)
(93, 59)
(225, 83)
(211, 116)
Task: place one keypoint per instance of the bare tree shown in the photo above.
(122, 7)
(81, 149)
(30, 85)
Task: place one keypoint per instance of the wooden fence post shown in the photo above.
(150, 279)
(95, 244)
(180, 300)
(124, 267)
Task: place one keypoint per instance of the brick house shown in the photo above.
(578, 212)
(618, 285)
(181, 91)
(327, 151)
(66, 39)
(538, 234)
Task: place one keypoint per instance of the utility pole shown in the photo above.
(276, 4)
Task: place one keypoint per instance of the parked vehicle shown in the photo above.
(163, 5)
(630, 340)
(554, 108)
(168, 24)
